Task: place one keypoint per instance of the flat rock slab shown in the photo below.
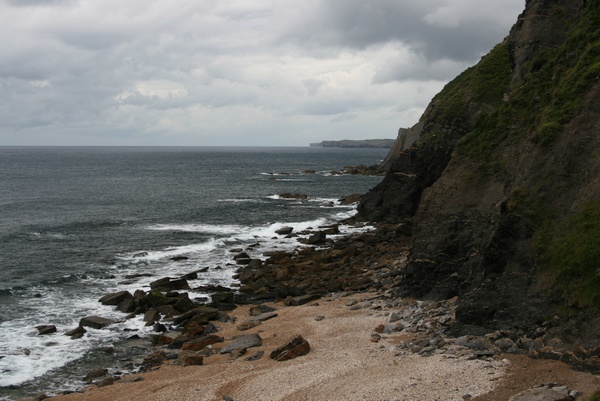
(243, 342)
(261, 318)
(544, 393)
(294, 348)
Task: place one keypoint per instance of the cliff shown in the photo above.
(364, 143)
(499, 182)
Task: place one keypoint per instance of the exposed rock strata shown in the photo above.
(489, 167)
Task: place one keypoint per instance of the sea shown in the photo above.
(77, 223)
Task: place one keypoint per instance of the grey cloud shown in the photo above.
(359, 24)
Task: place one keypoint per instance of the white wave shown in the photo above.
(28, 355)
(221, 229)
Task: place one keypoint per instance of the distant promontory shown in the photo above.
(363, 143)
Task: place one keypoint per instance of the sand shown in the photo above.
(343, 364)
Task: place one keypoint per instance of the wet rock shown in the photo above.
(288, 195)
(75, 333)
(285, 230)
(201, 313)
(167, 284)
(178, 258)
(153, 360)
(294, 348)
(115, 298)
(46, 329)
(95, 322)
(317, 238)
(151, 316)
(94, 374)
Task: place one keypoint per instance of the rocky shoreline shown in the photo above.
(370, 264)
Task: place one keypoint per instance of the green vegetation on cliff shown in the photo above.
(551, 92)
(570, 256)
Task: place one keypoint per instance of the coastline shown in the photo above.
(344, 362)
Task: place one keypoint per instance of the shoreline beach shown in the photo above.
(348, 360)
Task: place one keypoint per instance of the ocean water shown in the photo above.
(79, 222)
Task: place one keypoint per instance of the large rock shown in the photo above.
(167, 284)
(198, 344)
(115, 298)
(46, 329)
(285, 230)
(243, 342)
(294, 348)
(95, 322)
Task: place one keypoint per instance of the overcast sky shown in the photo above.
(235, 72)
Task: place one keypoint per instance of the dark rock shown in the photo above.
(317, 238)
(244, 341)
(106, 381)
(151, 316)
(94, 374)
(288, 195)
(167, 284)
(46, 329)
(115, 298)
(153, 360)
(301, 300)
(95, 322)
(198, 344)
(222, 298)
(77, 332)
(294, 348)
(201, 313)
(190, 276)
(184, 304)
(285, 230)
(178, 258)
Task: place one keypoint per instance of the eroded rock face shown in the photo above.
(472, 229)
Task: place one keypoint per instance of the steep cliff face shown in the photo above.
(500, 178)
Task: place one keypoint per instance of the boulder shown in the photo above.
(197, 344)
(202, 312)
(95, 322)
(243, 342)
(75, 333)
(46, 329)
(294, 348)
(317, 238)
(167, 284)
(302, 299)
(285, 230)
(115, 298)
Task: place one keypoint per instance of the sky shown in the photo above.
(236, 72)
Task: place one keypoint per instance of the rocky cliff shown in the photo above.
(500, 181)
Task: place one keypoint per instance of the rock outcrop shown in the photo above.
(499, 181)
